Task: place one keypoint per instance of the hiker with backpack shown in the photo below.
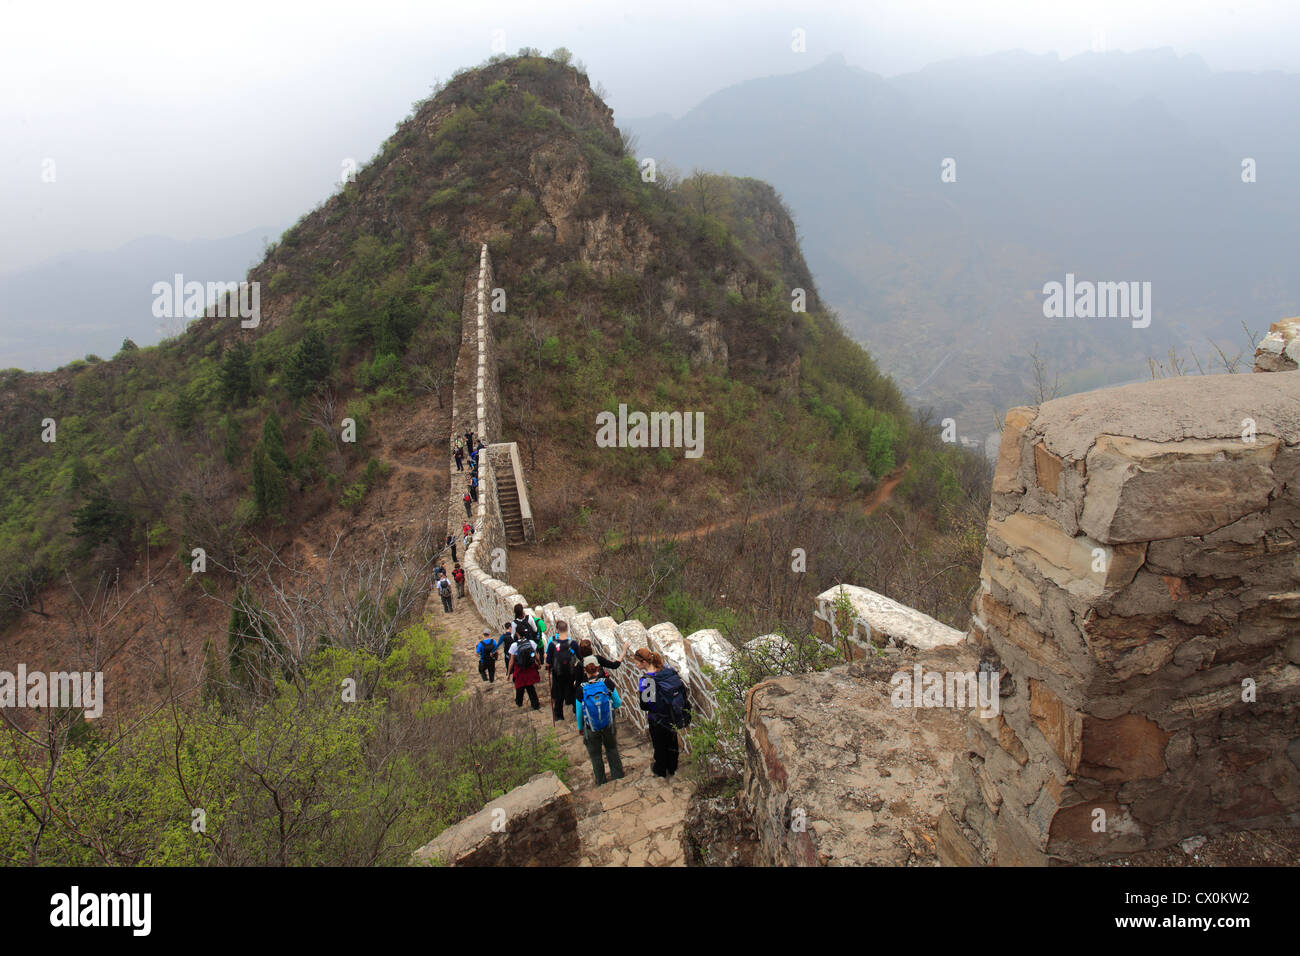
(444, 592)
(451, 543)
(486, 649)
(458, 574)
(467, 513)
(524, 672)
(539, 624)
(522, 626)
(596, 702)
(473, 488)
(562, 663)
(663, 695)
(460, 458)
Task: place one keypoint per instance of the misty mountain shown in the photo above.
(88, 302)
(1113, 167)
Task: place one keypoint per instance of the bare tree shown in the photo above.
(322, 412)
(356, 601)
(623, 599)
(1044, 390)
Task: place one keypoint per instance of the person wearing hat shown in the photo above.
(486, 649)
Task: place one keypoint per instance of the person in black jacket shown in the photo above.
(587, 651)
(663, 696)
(565, 669)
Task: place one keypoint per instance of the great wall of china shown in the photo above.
(485, 563)
(1140, 602)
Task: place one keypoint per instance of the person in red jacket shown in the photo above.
(458, 575)
(524, 671)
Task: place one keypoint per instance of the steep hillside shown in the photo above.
(617, 291)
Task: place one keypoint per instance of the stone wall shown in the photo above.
(1141, 594)
(486, 573)
(877, 621)
(532, 825)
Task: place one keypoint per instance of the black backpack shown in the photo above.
(524, 655)
(673, 701)
(562, 666)
(524, 628)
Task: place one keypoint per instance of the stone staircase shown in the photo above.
(508, 501)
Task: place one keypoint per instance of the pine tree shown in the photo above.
(214, 680)
(233, 450)
(253, 646)
(269, 492)
(273, 443)
(236, 375)
(308, 366)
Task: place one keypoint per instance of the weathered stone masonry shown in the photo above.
(1141, 589)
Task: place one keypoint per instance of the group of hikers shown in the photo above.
(460, 449)
(581, 679)
(441, 582)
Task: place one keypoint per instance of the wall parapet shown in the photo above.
(879, 621)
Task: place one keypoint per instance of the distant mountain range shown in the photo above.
(88, 302)
(1110, 167)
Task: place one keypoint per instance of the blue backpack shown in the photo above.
(597, 705)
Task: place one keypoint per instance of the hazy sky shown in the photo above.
(197, 120)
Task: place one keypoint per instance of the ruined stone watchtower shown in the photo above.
(1141, 590)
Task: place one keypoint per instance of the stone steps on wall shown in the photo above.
(508, 502)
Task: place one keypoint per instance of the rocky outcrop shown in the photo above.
(838, 773)
(532, 825)
(1279, 351)
(1141, 592)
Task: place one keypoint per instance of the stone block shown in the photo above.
(603, 637)
(1141, 490)
(953, 846)
(1006, 476)
(580, 626)
(1081, 565)
(532, 825)
(1130, 747)
(1023, 592)
(1060, 724)
(1016, 629)
(1047, 469)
